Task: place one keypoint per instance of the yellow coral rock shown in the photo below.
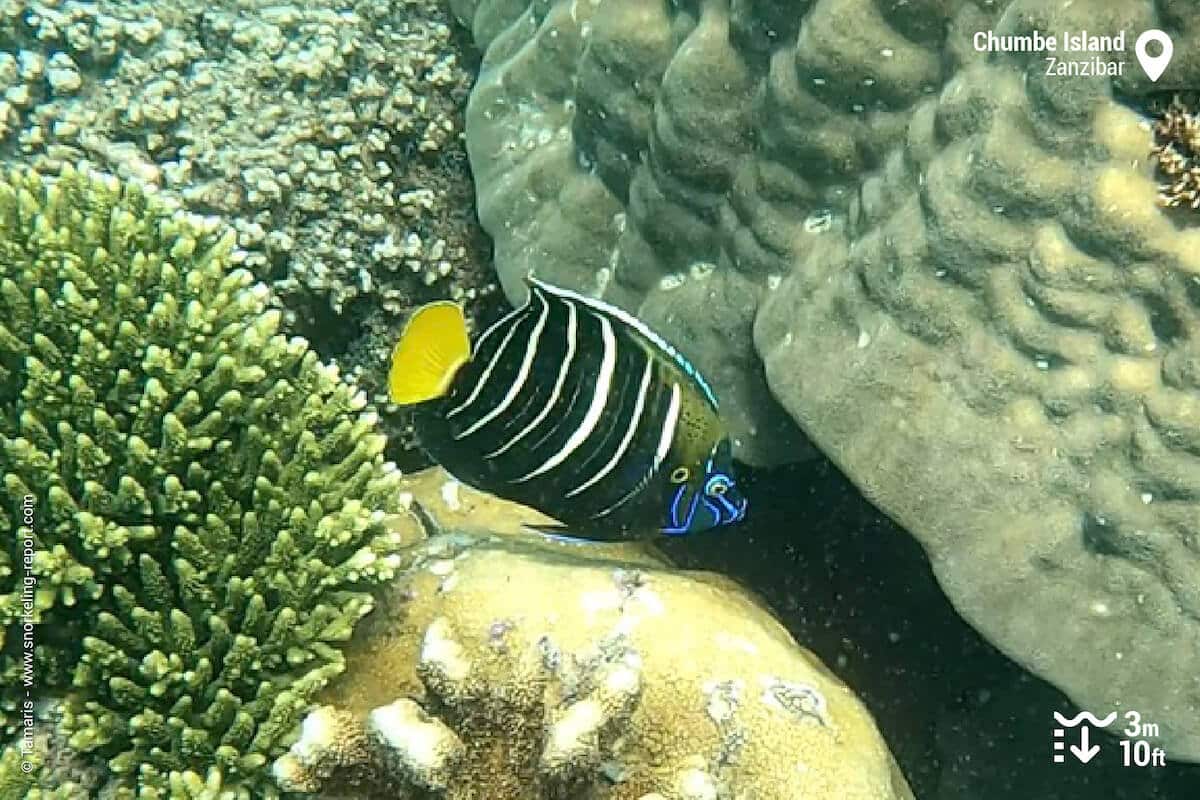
(538, 670)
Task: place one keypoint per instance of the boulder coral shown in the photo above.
(949, 268)
(198, 504)
(502, 668)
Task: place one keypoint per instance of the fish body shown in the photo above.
(574, 407)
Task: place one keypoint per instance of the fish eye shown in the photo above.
(717, 486)
(680, 474)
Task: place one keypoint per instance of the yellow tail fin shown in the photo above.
(432, 347)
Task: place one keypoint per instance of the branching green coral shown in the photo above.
(40, 768)
(208, 499)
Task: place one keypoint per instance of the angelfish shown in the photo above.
(574, 407)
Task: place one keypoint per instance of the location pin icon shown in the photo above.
(1153, 66)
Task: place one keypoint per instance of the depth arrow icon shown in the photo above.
(1085, 751)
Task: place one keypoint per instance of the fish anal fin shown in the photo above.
(431, 349)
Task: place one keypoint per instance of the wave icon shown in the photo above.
(1071, 722)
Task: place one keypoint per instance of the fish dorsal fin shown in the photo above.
(431, 349)
(656, 341)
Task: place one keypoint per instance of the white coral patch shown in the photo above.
(723, 699)
(423, 747)
(399, 726)
(317, 733)
(623, 681)
(594, 602)
(288, 772)
(573, 732)
(441, 652)
(627, 624)
(450, 495)
(696, 784)
(650, 601)
(443, 566)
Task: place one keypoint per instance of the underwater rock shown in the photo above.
(504, 667)
(951, 269)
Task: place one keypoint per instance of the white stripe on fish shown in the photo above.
(518, 383)
(572, 332)
(639, 326)
(487, 372)
(635, 418)
(595, 410)
(664, 445)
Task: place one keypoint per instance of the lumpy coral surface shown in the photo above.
(955, 273)
(500, 667)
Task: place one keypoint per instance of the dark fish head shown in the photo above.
(704, 496)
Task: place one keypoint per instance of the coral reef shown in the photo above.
(42, 766)
(607, 159)
(327, 134)
(599, 677)
(948, 267)
(1177, 150)
(200, 504)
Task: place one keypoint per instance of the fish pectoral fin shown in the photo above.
(431, 349)
(564, 535)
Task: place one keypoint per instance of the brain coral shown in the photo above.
(602, 677)
(200, 502)
(949, 268)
